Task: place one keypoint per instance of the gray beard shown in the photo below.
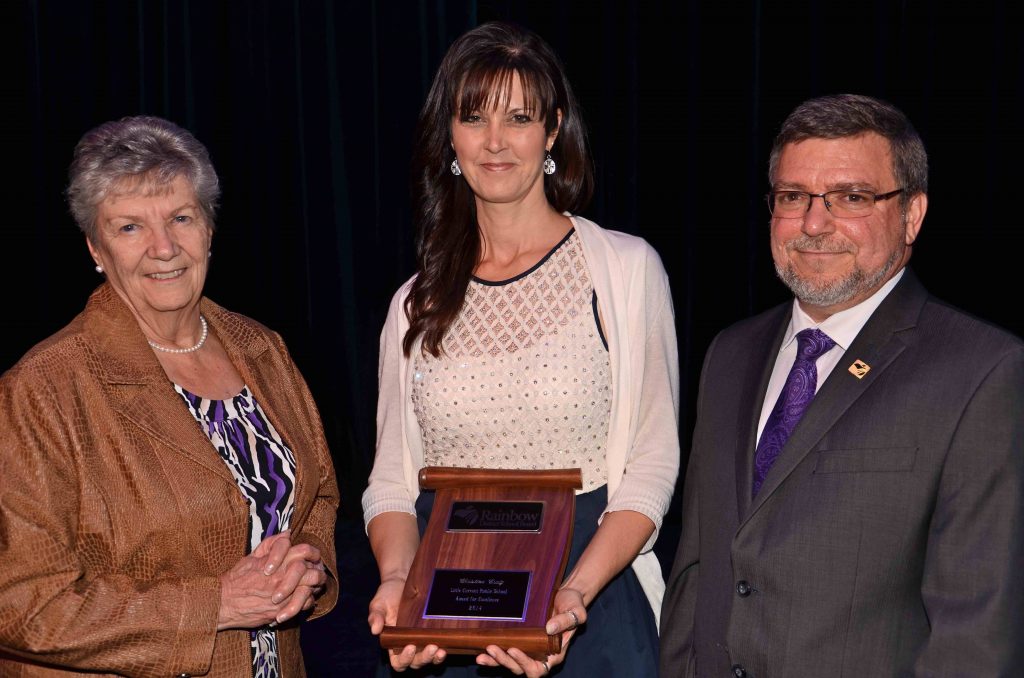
(839, 291)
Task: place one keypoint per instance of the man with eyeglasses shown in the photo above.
(854, 501)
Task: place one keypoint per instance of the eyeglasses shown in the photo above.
(845, 204)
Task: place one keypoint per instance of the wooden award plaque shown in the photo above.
(488, 566)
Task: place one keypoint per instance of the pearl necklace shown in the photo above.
(190, 349)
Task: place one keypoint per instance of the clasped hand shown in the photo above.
(270, 585)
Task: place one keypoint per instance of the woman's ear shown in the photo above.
(554, 133)
(93, 252)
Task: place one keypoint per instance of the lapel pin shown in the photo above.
(859, 368)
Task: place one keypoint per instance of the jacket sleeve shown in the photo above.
(652, 462)
(972, 588)
(388, 488)
(318, 528)
(678, 655)
(54, 608)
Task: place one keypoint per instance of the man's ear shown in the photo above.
(913, 216)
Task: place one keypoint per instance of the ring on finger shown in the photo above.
(547, 667)
(575, 619)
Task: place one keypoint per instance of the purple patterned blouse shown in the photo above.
(264, 470)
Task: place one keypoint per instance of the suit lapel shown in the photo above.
(153, 409)
(142, 393)
(137, 385)
(878, 344)
(247, 349)
(751, 401)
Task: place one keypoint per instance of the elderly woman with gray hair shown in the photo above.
(168, 498)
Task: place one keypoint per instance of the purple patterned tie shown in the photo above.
(796, 395)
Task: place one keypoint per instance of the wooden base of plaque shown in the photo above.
(488, 566)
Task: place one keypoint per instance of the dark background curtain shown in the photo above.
(308, 107)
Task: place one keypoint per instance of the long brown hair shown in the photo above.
(478, 70)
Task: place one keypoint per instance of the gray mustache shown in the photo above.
(821, 243)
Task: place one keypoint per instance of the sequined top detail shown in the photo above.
(524, 380)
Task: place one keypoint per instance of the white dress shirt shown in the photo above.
(842, 327)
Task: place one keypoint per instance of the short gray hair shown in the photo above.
(849, 115)
(137, 150)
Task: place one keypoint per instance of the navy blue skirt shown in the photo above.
(619, 639)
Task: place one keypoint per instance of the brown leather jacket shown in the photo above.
(116, 514)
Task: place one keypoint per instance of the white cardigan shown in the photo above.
(643, 443)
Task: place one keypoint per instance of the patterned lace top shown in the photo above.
(264, 470)
(524, 380)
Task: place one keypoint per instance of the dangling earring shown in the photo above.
(99, 269)
(456, 170)
(549, 165)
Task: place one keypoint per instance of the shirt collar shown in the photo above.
(844, 326)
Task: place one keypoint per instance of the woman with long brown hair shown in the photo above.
(528, 338)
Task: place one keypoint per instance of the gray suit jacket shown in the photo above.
(888, 538)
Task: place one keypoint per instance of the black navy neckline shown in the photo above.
(499, 283)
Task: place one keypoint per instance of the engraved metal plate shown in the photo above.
(478, 594)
